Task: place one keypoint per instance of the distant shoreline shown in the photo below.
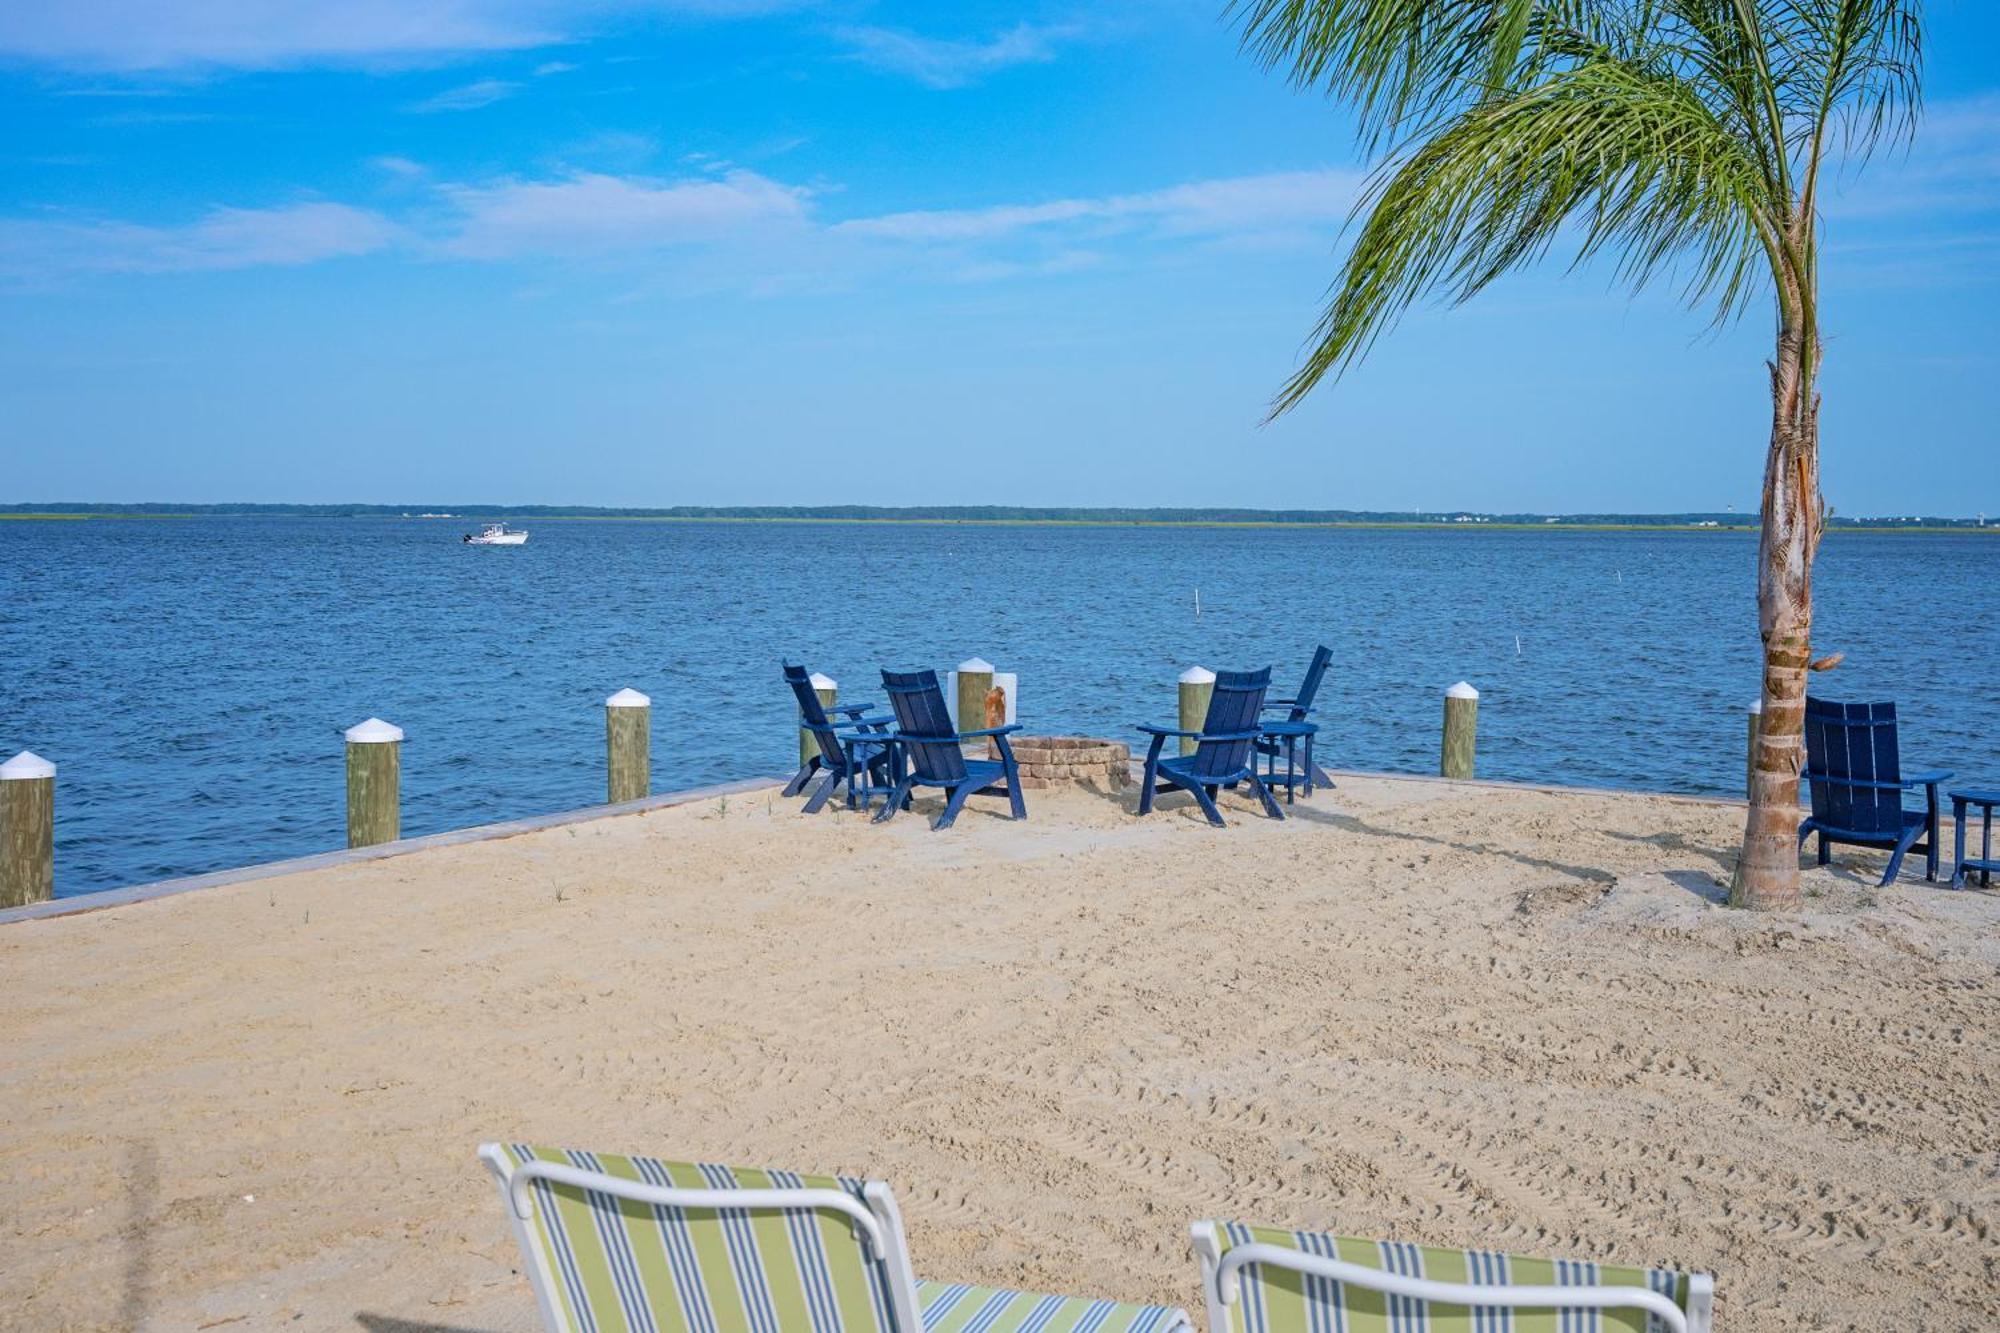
(1548, 523)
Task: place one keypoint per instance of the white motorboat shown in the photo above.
(496, 534)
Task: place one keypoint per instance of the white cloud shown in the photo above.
(224, 238)
(132, 36)
(548, 67)
(1229, 204)
(941, 63)
(467, 97)
(399, 166)
(590, 213)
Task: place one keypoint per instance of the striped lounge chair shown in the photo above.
(637, 1245)
(1263, 1280)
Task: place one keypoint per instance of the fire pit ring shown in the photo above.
(1048, 761)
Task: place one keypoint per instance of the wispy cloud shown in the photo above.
(590, 214)
(731, 225)
(224, 238)
(467, 97)
(134, 36)
(946, 63)
(1229, 204)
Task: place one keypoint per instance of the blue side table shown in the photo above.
(1984, 863)
(1289, 734)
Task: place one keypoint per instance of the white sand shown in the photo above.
(1444, 1013)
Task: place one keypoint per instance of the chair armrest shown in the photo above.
(1165, 731)
(1864, 783)
(989, 731)
(1927, 779)
(849, 709)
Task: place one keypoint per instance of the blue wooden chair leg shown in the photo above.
(822, 794)
(1271, 806)
(953, 803)
(1825, 849)
(799, 779)
(1205, 798)
(1150, 780)
(1896, 857)
(899, 799)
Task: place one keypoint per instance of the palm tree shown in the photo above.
(1688, 140)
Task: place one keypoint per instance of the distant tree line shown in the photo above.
(964, 514)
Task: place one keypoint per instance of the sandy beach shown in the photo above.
(1441, 1012)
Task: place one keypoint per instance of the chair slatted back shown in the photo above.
(1309, 688)
(615, 1264)
(1234, 707)
(812, 714)
(1855, 741)
(918, 701)
(1279, 1300)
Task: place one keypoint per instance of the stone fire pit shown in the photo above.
(1049, 760)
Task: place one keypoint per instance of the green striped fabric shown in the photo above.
(951, 1307)
(619, 1266)
(1282, 1301)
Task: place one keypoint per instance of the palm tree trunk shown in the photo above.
(1767, 877)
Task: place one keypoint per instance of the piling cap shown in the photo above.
(26, 765)
(628, 698)
(373, 732)
(1756, 705)
(1197, 675)
(1462, 690)
(824, 682)
(975, 664)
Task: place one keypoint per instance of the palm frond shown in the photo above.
(1625, 160)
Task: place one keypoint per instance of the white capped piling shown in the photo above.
(828, 690)
(628, 744)
(1750, 761)
(27, 830)
(1197, 688)
(972, 682)
(374, 783)
(1461, 731)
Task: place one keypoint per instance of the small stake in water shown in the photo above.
(1197, 602)
(1517, 645)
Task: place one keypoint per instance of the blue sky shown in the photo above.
(620, 252)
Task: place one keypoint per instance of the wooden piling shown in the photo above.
(975, 682)
(374, 783)
(27, 830)
(1197, 688)
(828, 690)
(1461, 731)
(628, 761)
(1750, 761)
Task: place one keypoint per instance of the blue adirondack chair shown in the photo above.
(930, 753)
(861, 751)
(1223, 753)
(1855, 774)
(1281, 735)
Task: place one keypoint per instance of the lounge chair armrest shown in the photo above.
(912, 738)
(843, 734)
(1865, 783)
(1249, 735)
(1926, 779)
(1286, 703)
(1165, 731)
(849, 709)
(989, 731)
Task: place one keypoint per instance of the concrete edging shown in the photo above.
(167, 888)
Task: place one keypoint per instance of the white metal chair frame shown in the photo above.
(880, 1223)
(1221, 1286)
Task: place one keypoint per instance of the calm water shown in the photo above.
(191, 677)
